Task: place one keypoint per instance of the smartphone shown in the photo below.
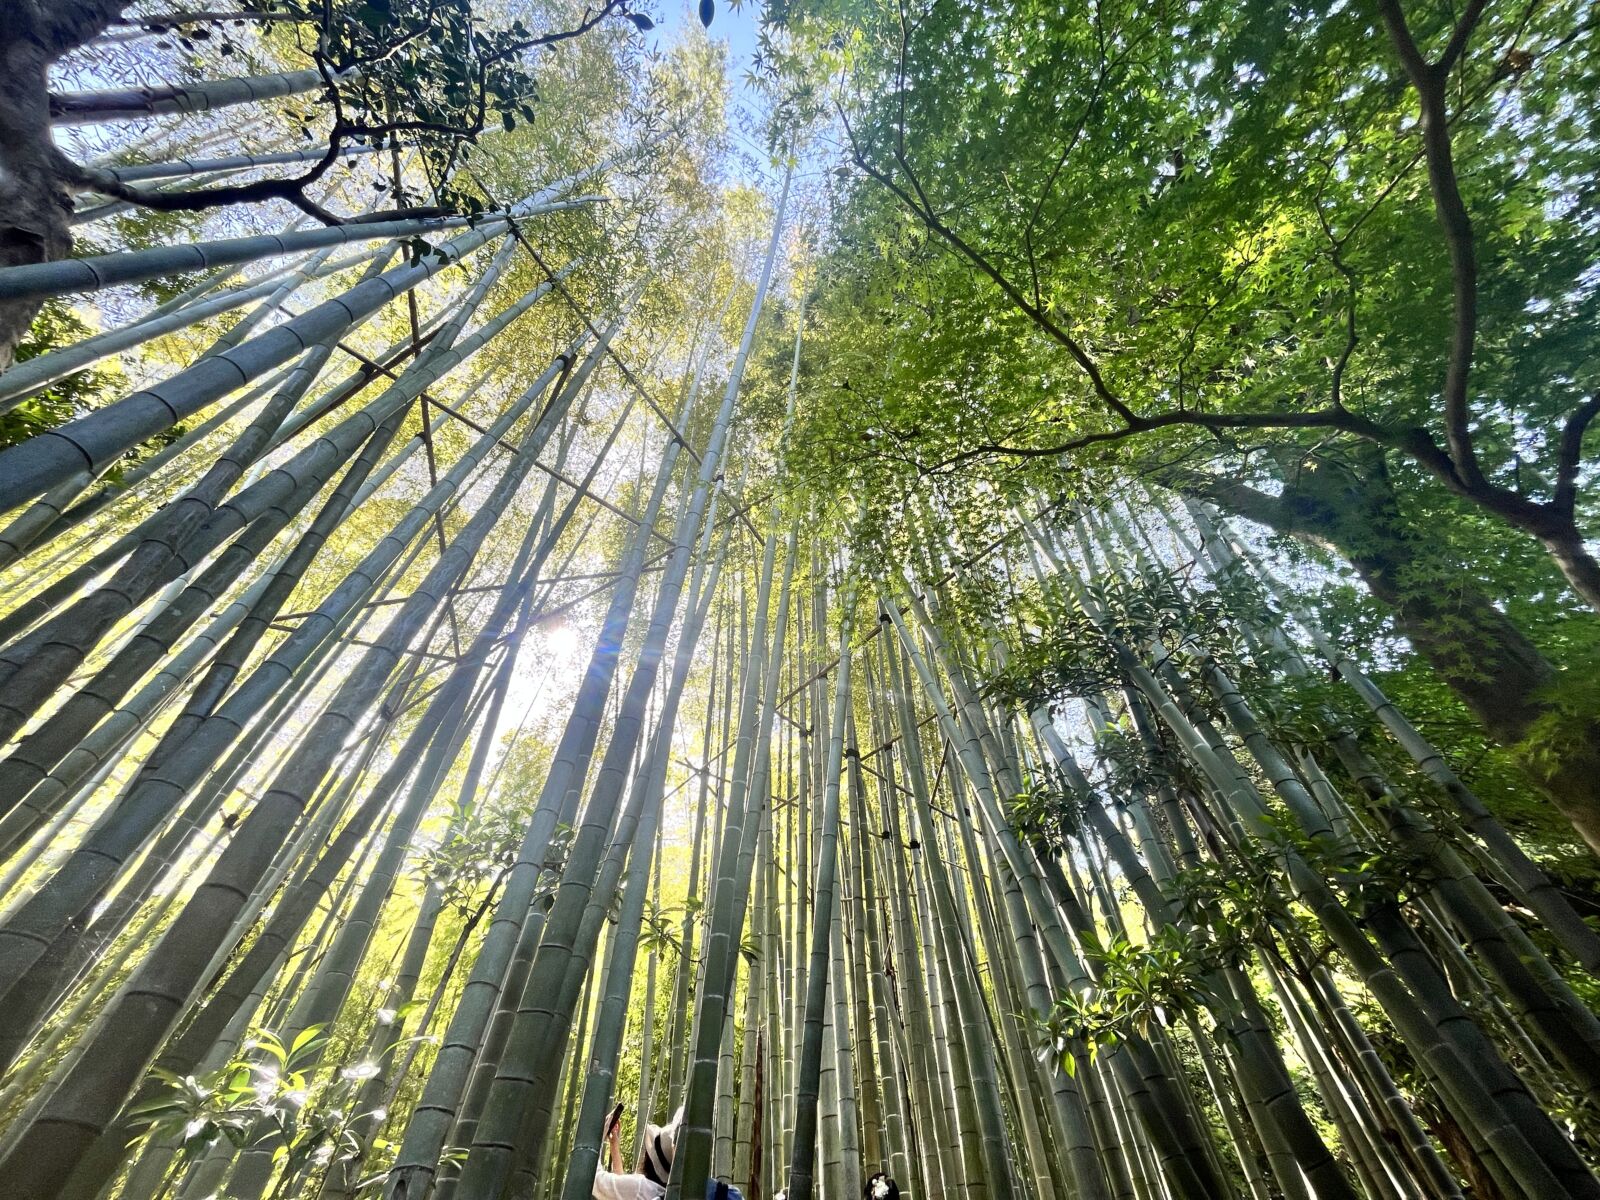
(611, 1121)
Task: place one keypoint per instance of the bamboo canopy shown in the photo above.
(503, 623)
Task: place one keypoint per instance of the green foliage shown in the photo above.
(659, 928)
(1156, 984)
(266, 1083)
(1049, 813)
(1241, 903)
(1568, 723)
(1074, 653)
(73, 396)
(1225, 210)
(55, 326)
(435, 75)
(1201, 196)
(1128, 765)
(481, 851)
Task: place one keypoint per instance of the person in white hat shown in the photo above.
(648, 1179)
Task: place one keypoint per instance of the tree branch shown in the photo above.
(162, 22)
(1079, 355)
(1428, 80)
(1459, 37)
(1571, 454)
(1455, 463)
(586, 23)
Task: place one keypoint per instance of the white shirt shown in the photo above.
(609, 1186)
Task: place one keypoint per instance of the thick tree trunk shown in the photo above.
(33, 205)
(1479, 652)
(1571, 552)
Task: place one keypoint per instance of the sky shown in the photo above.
(739, 29)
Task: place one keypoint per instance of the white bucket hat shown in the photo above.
(660, 1144)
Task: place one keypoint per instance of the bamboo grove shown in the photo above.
(446, 695)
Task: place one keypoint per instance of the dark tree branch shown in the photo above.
(1102, 73)
(1459, 37)
(1571, 455)
(585, 23)
(1411, 57)
(1038, 315)
(1351, 338)
(1429, 81)
(199, 199)
(162, 22)
(1455, 463)
(293, 189)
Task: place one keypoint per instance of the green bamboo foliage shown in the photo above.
(354, 841)
(72, 889)
(692, 1164)
(167, 980)
(40, 660)
(1298, 795)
